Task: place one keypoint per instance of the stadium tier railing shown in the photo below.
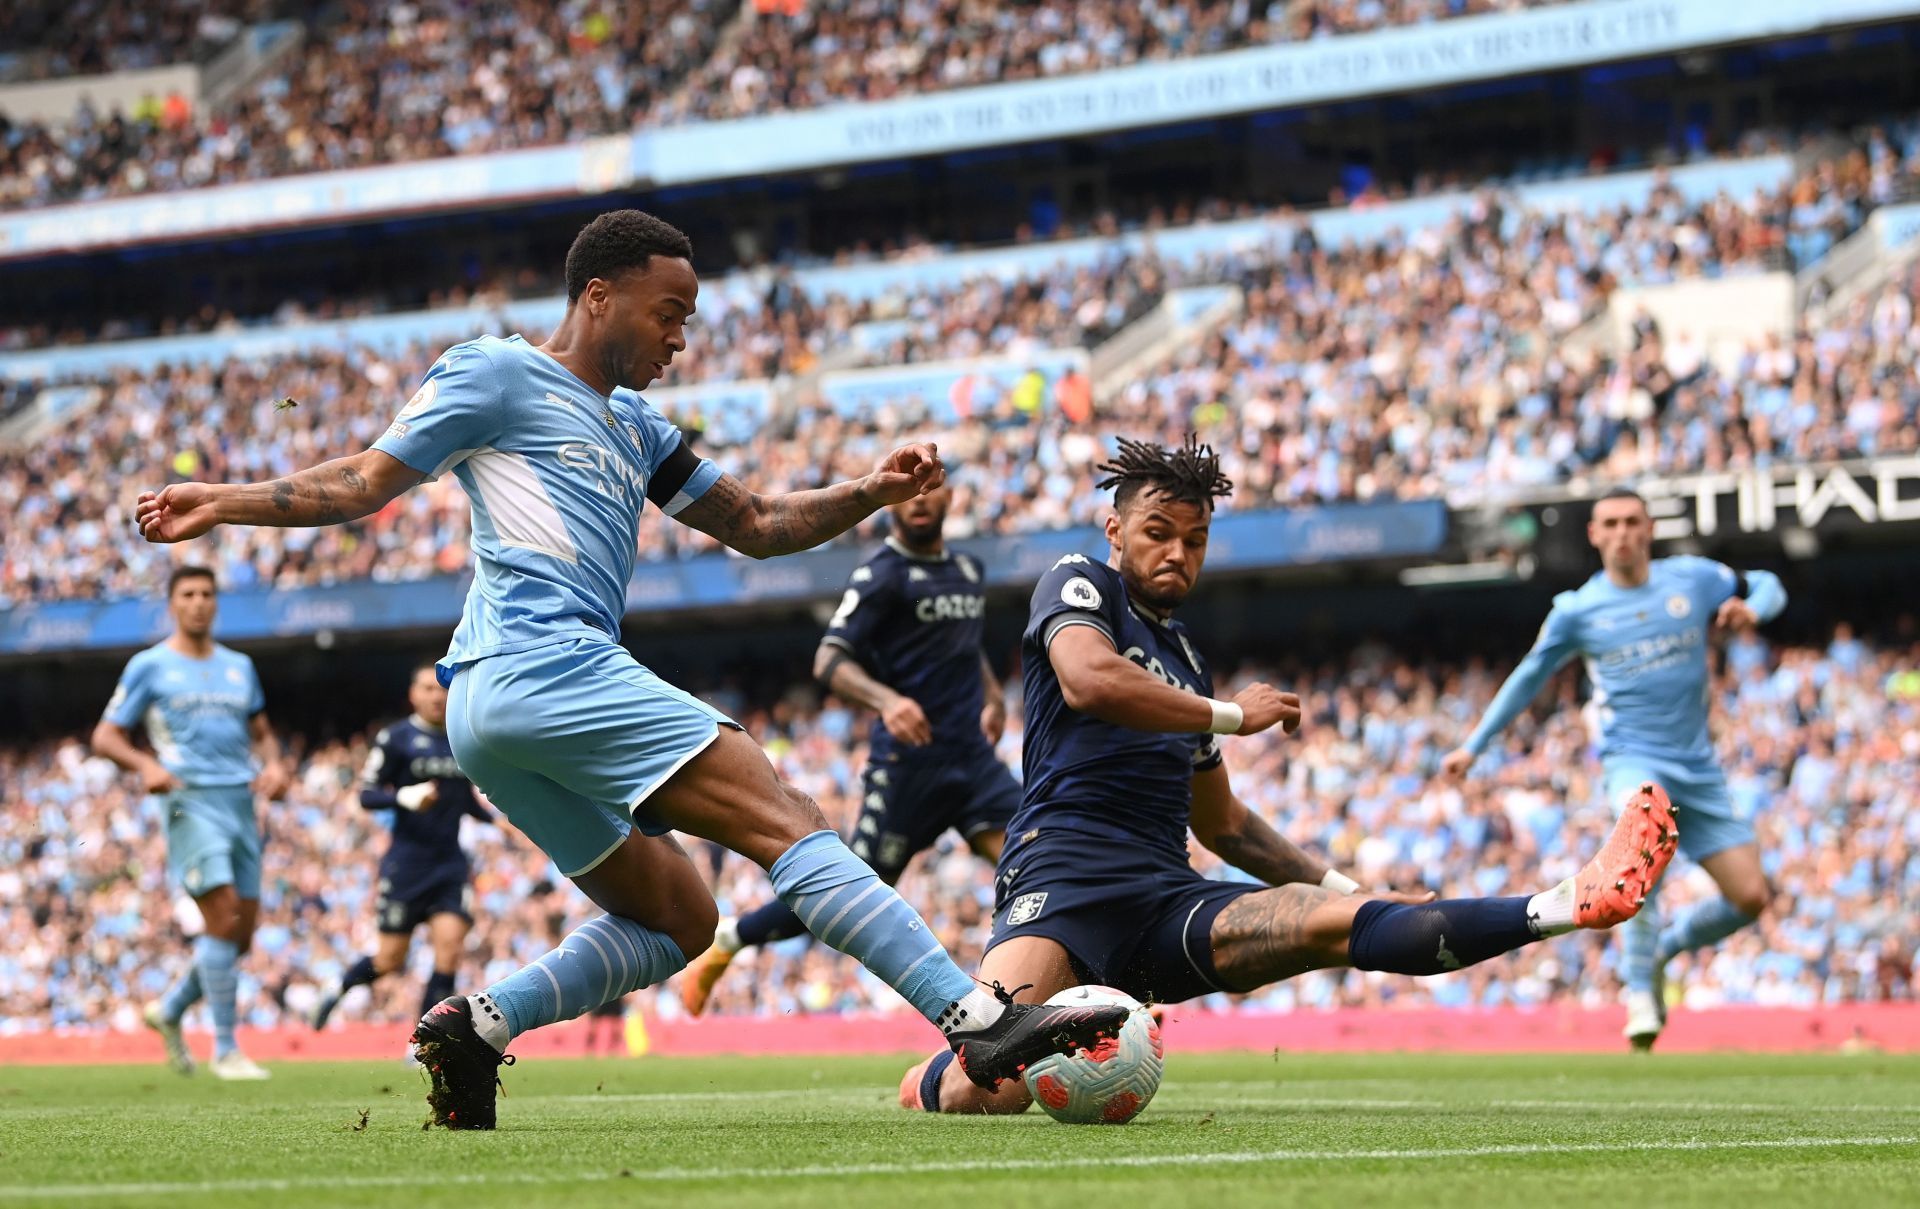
(1148, 94)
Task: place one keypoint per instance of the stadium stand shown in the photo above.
(798, 56)
(1422, 362)
(1822, 743)
(42, 40)
(383, 84)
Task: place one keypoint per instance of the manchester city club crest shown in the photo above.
(1678, 605)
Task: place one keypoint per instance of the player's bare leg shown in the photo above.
(731, 795)
(1274, 934)
(655, 900)
(1037, 969)
(1745, 895)
(987, 844)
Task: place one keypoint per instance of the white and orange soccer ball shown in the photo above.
(1110, 1084)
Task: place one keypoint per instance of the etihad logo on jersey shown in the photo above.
(957, 606)
(1651, 654)
(615, 475)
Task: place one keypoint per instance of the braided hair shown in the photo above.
(1188, 475)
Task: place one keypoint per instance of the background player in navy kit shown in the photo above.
(905, 643)
(423, 877)
(205, 715)
(1122, 758)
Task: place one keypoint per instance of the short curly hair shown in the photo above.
(620, 240)
(1189, 474)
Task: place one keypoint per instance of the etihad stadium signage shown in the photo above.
(1874, 492)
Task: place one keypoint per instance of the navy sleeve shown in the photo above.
(376, 778)
(871, 593)
(1075, 591)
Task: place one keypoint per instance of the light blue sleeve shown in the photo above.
(1766, 594)
(1557, 643)
(132, 695)
(257, 696)
(457, 411)
(676, 476)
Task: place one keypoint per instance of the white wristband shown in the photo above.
(1228, 717)
(410, 797)
(1339, 882)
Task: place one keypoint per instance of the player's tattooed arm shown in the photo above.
(1238, 836)
(344, 489)
(763, 526)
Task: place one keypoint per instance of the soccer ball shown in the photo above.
(1108, 1085)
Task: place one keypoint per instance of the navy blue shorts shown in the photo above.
(1133, 920)
(908, 805)
(400, 915)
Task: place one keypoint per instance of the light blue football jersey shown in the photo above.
(196, 711)
(557, 474)
(1646, 656)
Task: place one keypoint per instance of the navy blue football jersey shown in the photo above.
(426, 843)
(1089, 776)
(916, 624)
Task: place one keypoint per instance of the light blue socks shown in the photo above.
(598, 962)
(844, 903)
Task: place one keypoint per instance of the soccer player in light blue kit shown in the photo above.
(1642, 625)
(589, 753)
(205, 716)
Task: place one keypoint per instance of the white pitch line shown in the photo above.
(968, 1167)
(1571, 1105)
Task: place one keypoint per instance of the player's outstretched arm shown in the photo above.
(1099, 681)
(274, 776)
(763, 526)
(841, 674)
(116, 744)
(1224, 826)
(1551, 650)
(331, 493)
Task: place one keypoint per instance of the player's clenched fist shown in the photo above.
(906, 721)
(176, 513)
(1457, 761)
(906, 472)
(1262, 705)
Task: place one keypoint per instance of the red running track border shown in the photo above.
(1893, 1027)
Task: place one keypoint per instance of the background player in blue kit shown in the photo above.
(423, 877)
(1122, 758)
(590, 754)
(205, 716)
(906, 643)
(1643, 625)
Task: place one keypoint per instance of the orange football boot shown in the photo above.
(1610, 889)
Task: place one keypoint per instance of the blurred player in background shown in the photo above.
(564, 730)
(906, 643)
(1643, 626)
(205, 716)
(1122, 759)
(423, 877)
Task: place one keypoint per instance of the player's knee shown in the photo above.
(1753, 898)
(693, 926)
(807, 816)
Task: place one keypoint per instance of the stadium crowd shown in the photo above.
(1427, 363)
(385, 83)
(51, 39)
(1822, 744)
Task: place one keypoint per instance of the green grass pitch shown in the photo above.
(1225, 1130)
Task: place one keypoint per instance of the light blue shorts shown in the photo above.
(213, 839)
(1704, 810)
(570, 739)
